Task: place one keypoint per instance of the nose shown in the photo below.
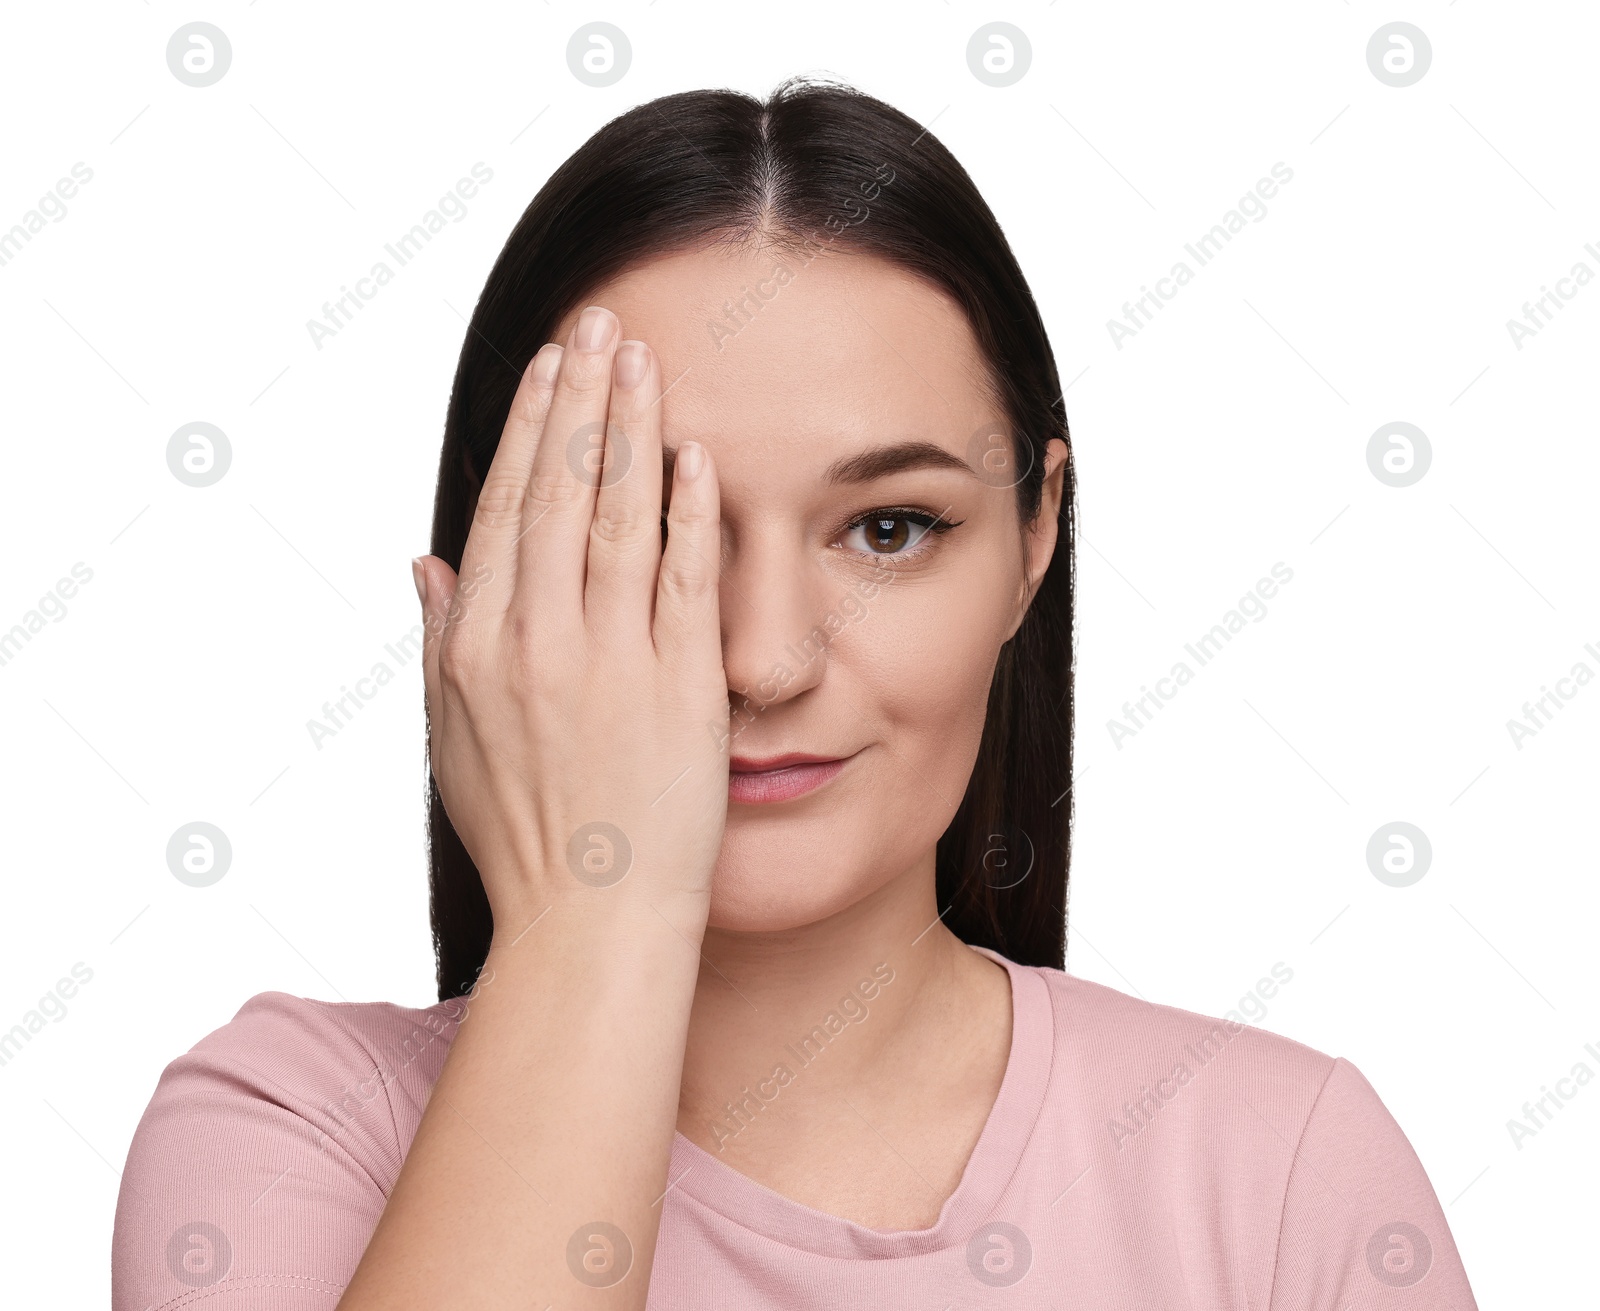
(774, 638)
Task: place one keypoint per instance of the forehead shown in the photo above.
(764, 351)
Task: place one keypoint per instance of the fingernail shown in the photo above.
(421, 580)
(595, 326)
(690, 458)
(546, 364)
(630, 363)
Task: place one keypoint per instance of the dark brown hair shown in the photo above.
(699, 166)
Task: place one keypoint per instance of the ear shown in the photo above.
(1039, 537)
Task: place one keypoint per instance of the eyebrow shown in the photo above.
(878, 462)
(883, 460)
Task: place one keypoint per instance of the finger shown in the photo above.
(553, 552)
(499, 517)
(687, 628)
(625, 534)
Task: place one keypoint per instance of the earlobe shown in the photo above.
(1042, 536)
(1026, 591)
(1018, 615)
(1046, 527)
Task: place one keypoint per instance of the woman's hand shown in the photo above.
(574, 670)
(578, 716)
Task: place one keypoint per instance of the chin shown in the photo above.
(773, 884)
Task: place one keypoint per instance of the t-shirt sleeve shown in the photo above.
(1361, 1226)
(260, 1167)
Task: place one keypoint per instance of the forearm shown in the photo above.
(555, 692)
(555, 1108)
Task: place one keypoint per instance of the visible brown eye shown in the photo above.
(894, 532)
(888, 535)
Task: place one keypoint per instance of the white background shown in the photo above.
(1229, 434)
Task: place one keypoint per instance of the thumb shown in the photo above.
(436, 589)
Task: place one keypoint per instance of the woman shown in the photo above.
(750, 823)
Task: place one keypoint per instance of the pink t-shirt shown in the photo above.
(1138, 1156)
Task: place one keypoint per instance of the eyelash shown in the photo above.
(933, 525)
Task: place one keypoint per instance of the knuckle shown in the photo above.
(695, 522)
(683, 580)
(548, 489)
(457, 663)
(623, 525)
(499, 499)
(529, 654)
(522, 634)
(583, 373)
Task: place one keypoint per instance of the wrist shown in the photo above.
(594, 921)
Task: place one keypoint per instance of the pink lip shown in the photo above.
(779, 778)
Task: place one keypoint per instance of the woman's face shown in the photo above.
(829, 392)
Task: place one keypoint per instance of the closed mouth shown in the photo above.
(764, 781)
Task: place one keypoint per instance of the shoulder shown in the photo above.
(1144, 1082)
(1217, 1127)
(1134, 1036)
(303, 1036)
(294, 1111)
(359, 1072)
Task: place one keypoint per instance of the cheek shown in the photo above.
(912, 677)
(921, 675)
(927, 652)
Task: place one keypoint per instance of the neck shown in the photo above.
(822, 1009)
